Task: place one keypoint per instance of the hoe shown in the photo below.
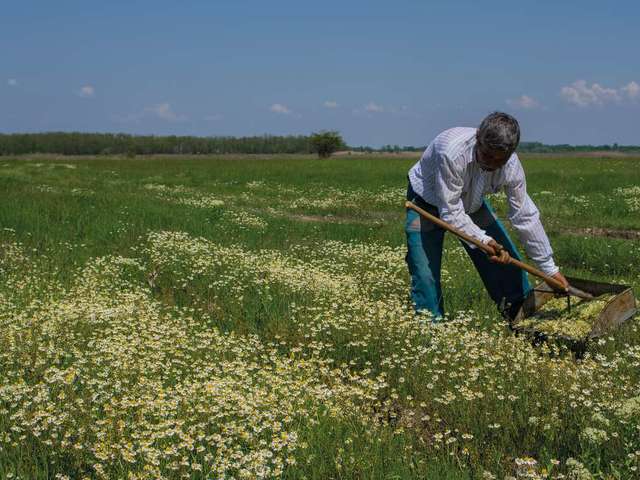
(618, 308)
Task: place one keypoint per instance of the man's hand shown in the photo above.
(560, 277)
(500, 254)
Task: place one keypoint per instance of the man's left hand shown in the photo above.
(561, 278)
(501, 254)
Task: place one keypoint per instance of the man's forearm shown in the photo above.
(460, 220)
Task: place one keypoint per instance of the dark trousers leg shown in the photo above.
(507, 285)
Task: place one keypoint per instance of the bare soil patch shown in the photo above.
(604, 232)
(331, 219)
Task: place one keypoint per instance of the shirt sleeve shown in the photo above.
(525, 219)
(448, 191)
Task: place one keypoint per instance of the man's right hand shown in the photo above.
(500, 254)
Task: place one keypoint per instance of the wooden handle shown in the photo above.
(485, 248)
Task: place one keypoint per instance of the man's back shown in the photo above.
(454, 146)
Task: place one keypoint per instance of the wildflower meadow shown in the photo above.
(249, 318)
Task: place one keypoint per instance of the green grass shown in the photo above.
(284, 278)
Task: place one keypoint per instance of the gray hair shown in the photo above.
(499, 132)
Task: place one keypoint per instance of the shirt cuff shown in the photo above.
(548, 266)
(484, 239)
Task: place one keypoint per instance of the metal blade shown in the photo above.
(576, 292)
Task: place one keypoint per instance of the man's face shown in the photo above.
(490, 160)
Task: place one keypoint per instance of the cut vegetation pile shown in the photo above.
(557, 318)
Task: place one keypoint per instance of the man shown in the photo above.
(456, 171)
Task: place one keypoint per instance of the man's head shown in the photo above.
(496, 140)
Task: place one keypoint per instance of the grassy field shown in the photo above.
(249, 318)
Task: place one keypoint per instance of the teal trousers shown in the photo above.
(507, 285)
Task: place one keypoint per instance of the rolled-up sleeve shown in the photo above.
(525, 219)
(448, 190)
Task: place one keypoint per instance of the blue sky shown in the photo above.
(380, 72)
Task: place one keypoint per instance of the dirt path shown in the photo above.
(603, 232)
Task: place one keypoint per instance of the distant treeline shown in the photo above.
(123, 144)
(525, 147)
(76, 143)
(537, 147)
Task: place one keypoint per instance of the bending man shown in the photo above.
(456, 171)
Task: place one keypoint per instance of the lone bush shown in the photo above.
(325, 143)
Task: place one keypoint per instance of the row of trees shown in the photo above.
(389, 149)
(538, 147)
(324, 143)
(525, 147)
(122, 144)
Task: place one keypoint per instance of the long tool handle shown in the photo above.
(485, 248)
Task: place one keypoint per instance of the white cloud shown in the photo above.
(632, 90)
(524, 102)
(373, 107)
(12, 82)
(129, 118)
(281, 109)
(87, 91)
(165, 112)
(579, 93)
(330, 104)
(162, 111)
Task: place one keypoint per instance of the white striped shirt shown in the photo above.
(449, 177)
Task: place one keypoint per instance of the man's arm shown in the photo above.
(525, 219)
(448, 189)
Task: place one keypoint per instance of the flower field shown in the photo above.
(210, 318)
